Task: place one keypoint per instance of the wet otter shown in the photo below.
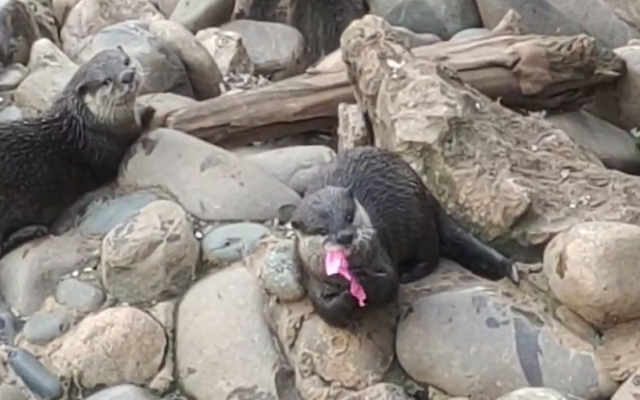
(372, 204)
(49, 161)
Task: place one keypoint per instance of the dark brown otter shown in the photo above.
(374, 205)
(48, 162)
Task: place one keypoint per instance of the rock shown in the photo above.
(380, 391)
(45, 19)
(166, 7)
(618, 103)
(103, 214)
(591, 269)
(613, 146)
(8, 392)
(88, 17)
(61, 9)
(629, 390)
(165, 104)
(333, 362)
(11, 113)
(619, 350)
(471, 33)
(20, 30)
(51, 70)
(79, 295)
(412, 39)
(33, 374)
(563, 18)
(43, 327)
(227, 49)
(123, 392)
(352, 128)
(159, 61)
(280, 276)
(275, 49)
(534, 393)
(8, 326)
(186, 167)
(429, 16)
(223, 344)
(295, 166)
(153, 253)
(232, 242)
(120, 344)
(200, 65)
(515, 343)
(201, 14)
(11, 76)
(31, 272)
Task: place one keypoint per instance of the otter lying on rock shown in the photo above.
(48, 162)
(373, 207)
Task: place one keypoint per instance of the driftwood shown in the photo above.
(516, 180)
(530, 72)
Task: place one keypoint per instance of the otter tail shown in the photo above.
(459, 245)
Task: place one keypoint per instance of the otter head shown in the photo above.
(104, 91)
(328, 219)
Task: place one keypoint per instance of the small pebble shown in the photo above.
(280, 276)
(79, 295)
(35, 376)
(7, 326)
(230, 243)
(42, 328)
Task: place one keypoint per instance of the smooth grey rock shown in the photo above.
(232, 242)
(471, 33)
(123, 392)
(42, 328)
(79, 295)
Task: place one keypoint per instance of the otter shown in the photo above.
(49, 161)
(373, 205)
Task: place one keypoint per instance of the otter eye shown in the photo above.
(107, 82)
(349, 218)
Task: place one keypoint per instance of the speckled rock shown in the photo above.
(79, 295)
(280, 276)
(153, 253)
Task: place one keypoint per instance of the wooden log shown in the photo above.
(524, 72)
(516, 180)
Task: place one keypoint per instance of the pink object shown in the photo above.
(335, 262)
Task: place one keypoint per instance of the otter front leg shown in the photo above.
(335, 306)
(22, 236)
(379, 280)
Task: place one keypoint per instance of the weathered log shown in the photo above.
(530, 72)
(514, 179)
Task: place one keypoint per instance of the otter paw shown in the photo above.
(146, 116)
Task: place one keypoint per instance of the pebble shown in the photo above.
(233, 242)
(35, 376)
(79, 295)
(123, 392)
(43, 327)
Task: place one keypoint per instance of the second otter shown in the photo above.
(373, 205)
(48, 162)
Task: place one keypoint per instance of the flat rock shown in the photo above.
(201, 14)
(562, 17)
(429, 16)
(514, 344)
(232, 242)
(31, 272)
(186, 167)
(79, 295)
(592, 269)
(295, 166)
(214, 354)
(613, 146)
(165, 104)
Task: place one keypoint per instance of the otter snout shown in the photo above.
(342, 238)
(128, 77)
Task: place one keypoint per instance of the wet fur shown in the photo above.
(321, 22)
(402, 232)
(48, 162)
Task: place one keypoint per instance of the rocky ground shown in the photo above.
(157, 287)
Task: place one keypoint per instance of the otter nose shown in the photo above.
(128, 77)
(344, 237)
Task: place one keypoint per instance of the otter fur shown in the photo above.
(374, 206)
(321, 22)
(49, 161)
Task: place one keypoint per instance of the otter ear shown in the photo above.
(285, 213)
(82, 89)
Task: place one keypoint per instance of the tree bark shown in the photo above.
(515, 179)
(523, 72)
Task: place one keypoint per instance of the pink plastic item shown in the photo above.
(335, 262)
